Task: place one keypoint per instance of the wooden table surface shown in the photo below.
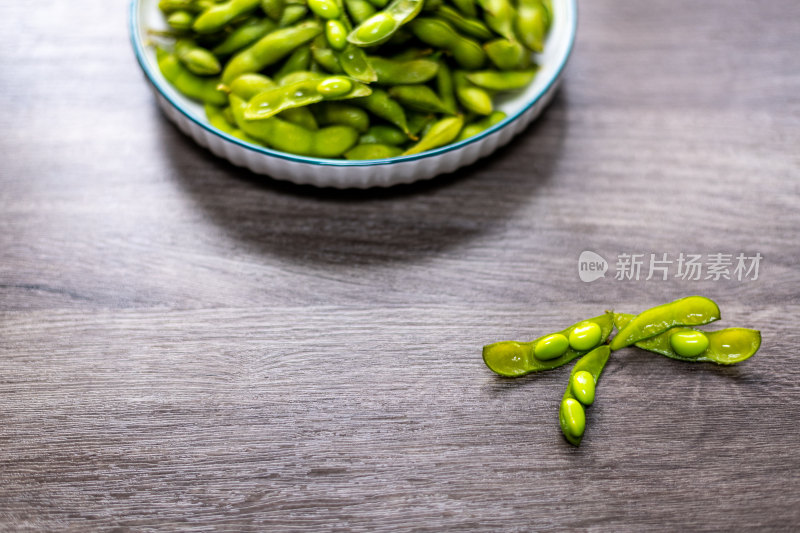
(185, 345)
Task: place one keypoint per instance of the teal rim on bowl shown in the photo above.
(156, 80)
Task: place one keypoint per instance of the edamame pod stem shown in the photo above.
(381, 26)
(690, 311)
(270, 49)
(217, 16)
(189, 84)
(514, 359)
(572, 415)
(723, 347)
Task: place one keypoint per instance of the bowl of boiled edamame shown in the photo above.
(352, 93)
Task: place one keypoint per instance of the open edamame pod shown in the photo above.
(723, 347)
(514, 359)
(689, 311)
(382, 25)
(580, 393)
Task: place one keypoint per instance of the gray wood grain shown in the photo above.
(185, 345)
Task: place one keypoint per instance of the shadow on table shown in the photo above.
(402, 223)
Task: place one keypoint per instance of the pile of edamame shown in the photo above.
(667, 329)
(358, 79)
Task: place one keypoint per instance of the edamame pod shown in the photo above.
(270, 49)
(513, 359)
(180, 20)
(472, 97)
(470, 130)
(723, 347)
(441, 133)
(445, 86)
(500, 16)
(409, 72)
(302, 93)
(469, 26)
(216, 117)
(243, 36)
(292, 14)
(420, 97)
(439, 33)
(532, 24)
(189, 84)
(510, 80)
(381, 134)
(572, 415)
(690, 311)
(380, 27)
(273, 8)
(218, 15)
(507, 54)
(198, 60)
(373, 151)
(380, 104)
(299, 60)
(341, 113)
(360, 10)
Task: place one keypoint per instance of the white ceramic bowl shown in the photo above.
(521, 109)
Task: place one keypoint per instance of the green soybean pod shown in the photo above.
(531, 24)
(299, 60)
(292, 14)
(302, 93)
(187, 83)
(572, 416)
(420, 97)
(245, 35)
(324, 56)
(380, 27)
(441, 133)
(218, 15)
(216, 117)
(419, 122)
(325, 9)
(508, 80)
(372, 151)
(170, 6)
(467, 25)
(500, 16)
(380, 104)
(690, 311)
(382, 134)
(379, 4)
(467, 7)
(360, 10)
(471, 97)
(409, 72)
(198, 60)
(724, 347)
(273, 8)
(354, 62)
(336, 34)
(180, 20)
(445, 86)
(470, 130)
(439, 33)
(270, 49)
(514, 359)
(507, 54)
(341, 113)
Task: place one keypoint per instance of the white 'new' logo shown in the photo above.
(591, 266)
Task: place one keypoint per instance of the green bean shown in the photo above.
(198, 60)
(180, 20)
(302, 93)
(299, 60)
(442, 132)
(572, 415)
(332, 141)
(380, 104)
(245, 35)
(189, 84)
(360, 10)
(341, 113)
(292, 14)
(470, 26)
(393, 72)
(273, 8)
(690, 311)
(436, 32)
(470, 130)
(723, 347)
(512, 359)
(381, 26)
(381, 134)
(325, 9)
(373, 151)
(499, 16)
(216, 117)
(507, 55)
(532, 24)
(270, 49)
(420, 97)
(218, 15)
(473, 98)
